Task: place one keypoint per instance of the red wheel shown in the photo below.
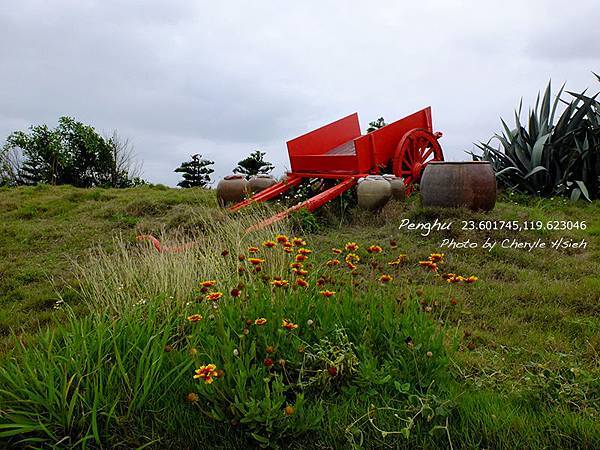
(414, 151)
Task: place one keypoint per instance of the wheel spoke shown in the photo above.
(408, 153)
(427, 153)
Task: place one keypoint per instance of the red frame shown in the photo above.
(372, 152)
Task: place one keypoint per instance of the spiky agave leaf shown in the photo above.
(544, 158)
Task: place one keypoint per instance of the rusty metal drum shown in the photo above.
(258, 183)
(455, 184)
(373, 192)
(232, 189)
(398, 187)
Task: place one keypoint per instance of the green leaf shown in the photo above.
(538, 150)
(536, 170)
(575, 194)
(583, 189)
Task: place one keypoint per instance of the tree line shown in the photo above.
(72, 153)
(75, 153)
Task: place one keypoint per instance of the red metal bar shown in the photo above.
(269, 193)
(311, 204)
(332, 175)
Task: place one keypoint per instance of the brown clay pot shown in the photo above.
(260, 182)
(232, 189)
(398, 188)
(373, 192)
(453, 184)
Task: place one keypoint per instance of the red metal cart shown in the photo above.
(339, 151)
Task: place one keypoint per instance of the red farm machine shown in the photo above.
(338, 151)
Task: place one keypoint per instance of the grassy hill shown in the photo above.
(510, 360)
(45, 230)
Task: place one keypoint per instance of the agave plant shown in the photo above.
(545, 158)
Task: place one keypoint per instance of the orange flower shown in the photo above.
(399, 260)
(304, 251)
(300, 258)
(337, 251)
(235, 292)
(260, 321)
(206, 373)
(288, 325)
(386, 278)
(452, 278)
(436, 257)
(327, 294)
(280, 283)
(269, 244)
(447, 276)
(192, 397)
(296, 265)
(352, 257)
(374, 249)
(300, 272)
(301, 282)
(287, 244)
(471, 279)
(351, 246)
(288, 250)
(253, 249)
(256, 261)
(429, 264)
(351, 266)
(333, 262)
(214, 296)
(298, 242)
(281, 238)
(194, 318)
(208, 283)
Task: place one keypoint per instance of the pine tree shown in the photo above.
(254, 165)
(195, 173)
(376, 125)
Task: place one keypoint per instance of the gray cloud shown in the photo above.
(185, 77)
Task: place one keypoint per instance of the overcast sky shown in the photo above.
(225, 78)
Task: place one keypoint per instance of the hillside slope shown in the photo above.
(523, 340)
(44, 229)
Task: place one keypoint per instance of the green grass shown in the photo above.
(514, 357)
(44, 229)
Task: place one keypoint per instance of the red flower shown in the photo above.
(268, 362)
(385, 278)
(194, 318)
(288, 325)
(206, 373)
(429, 264)
(301, 282)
